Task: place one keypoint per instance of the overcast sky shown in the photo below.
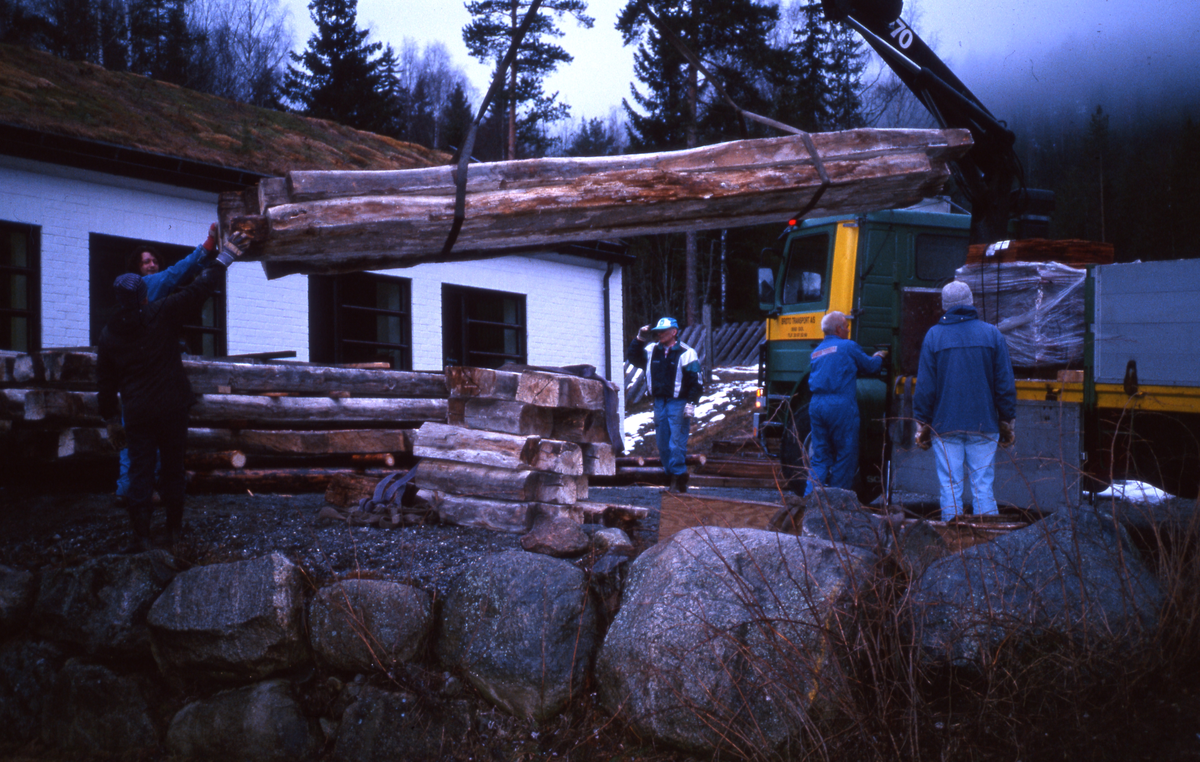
(1010, 52)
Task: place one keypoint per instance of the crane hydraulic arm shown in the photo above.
(989, 175)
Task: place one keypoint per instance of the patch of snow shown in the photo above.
(728, 386)
(1135, 492)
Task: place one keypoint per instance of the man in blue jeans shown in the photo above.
(965, 402)
(673, 376)
(836, 364)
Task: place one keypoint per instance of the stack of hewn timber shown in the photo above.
(518, 444)
(262, 426)
(345, 221)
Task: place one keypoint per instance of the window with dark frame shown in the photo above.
(482, 328)
(938, 256)
(361, 318)
(204, 332)
(20, 319)
(808, 261)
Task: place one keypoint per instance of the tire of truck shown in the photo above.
(793, 448)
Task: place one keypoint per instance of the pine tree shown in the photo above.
(340, 78)
(455, 118)
(527, 106)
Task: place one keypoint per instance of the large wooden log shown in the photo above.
(12, 403)
(533, 387)
(270, 481)
(350, 221)
(496, 515)
(82, 408)
(490, 448)
(505, 416)
(285, 442)
(499, 483)
(598, 459)
(241, 378)
(215, 461)
(77, 368)
(310, 412)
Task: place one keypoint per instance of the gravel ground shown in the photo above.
(44, 530)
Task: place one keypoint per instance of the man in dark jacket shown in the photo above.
(139, 359)
(673, 376)
(965, 401)
(836, 364)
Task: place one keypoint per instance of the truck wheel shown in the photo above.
(793, 450)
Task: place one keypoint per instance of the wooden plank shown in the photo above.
(352, 221)
(490, 448)
(495, 515)
(684, 510)
(471, 480)
(505, 416)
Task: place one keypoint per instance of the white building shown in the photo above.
(73, 205)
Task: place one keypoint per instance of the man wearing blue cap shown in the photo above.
(138, 360)
(673, 375)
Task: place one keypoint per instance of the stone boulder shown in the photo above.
(730, 640)
(360, 625)
(26, 669)
(16, 599)
(382, 726)
(837, 515)
(240, 621)
(257, 723)
(101, 605)
(92, 712)
(522, 628)
(1073, 574)
(557, 536)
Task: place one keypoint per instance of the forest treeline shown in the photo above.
(1137, 186)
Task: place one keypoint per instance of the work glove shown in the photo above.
(235, 246)
(644, 334)
(924, 438)
(116, 434)
(1008, 433)
(689, 410)
(214, 235)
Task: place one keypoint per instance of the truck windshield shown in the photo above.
(807, 263)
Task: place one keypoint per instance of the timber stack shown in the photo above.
(346, 221)
(258, 426)
(518, 444)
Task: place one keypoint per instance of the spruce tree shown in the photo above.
(338, 76)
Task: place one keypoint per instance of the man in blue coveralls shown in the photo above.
(833, 407)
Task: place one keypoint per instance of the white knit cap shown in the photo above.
(956, 294)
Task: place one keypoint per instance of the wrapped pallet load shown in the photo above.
(1038, 306)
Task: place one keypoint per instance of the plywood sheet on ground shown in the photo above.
(684, 510)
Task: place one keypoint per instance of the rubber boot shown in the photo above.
(681, 482)
(673, 483)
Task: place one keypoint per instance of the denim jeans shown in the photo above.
(978, 453)
(671, 430)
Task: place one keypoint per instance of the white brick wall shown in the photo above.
(563, 297)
